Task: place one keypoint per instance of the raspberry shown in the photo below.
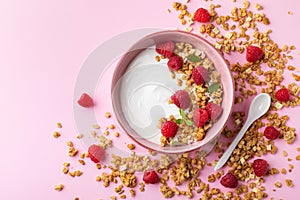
(214, 110)
(253, 53)
(271, 133)
(96, 153)
(200, 117)
(282, 95)
(175, 63)
(165, 49)
(199, 75)
(260, 167)
(229, 180)
(181, 99)
(202, 15)
(169, 129)
(85, 101)
(150, 177)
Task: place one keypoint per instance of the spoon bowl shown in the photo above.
(259, 106)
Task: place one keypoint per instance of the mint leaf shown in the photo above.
(178, 121)
(214, 87)
(189, 122)
(193, 58)
(182, 113)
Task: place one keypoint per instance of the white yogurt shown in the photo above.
(146, 88)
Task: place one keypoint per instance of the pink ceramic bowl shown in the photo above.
(150, 41)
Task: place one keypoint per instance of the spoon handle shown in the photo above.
(232, 146)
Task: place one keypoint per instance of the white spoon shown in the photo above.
(259, 106)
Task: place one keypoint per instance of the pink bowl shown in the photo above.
(219, 63)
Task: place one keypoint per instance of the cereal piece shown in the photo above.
(98, 165)
(72, 174)
(65, 170)
(56, 134)
(132, 192)
(258, 7)
(82, 155)
(112, 126)
(78, 173)
(278, 184)
(70, 144)
(79, 136)
(298, 157)
(72, 151)
(289, 183)
(59, 125)
(131, 146)
(96, 126)
(108, 115)
(59, 187)
(81, 162)
(98, 178)
(117, 134)
(76, 198)
(106, 133)
(66, 164)
(113, 197)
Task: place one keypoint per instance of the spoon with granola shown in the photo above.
(259, 106)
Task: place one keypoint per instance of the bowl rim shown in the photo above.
(175, 150)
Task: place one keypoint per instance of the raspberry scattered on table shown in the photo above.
(96, 153)
(150, 177)
(229, 180)
(271, 133)
(254, 53)
(202, 15)
(85, 101)
(282, 95)
(260, 167)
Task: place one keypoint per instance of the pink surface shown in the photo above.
(43, 44)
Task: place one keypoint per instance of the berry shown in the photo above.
(253, 53)
(282, 95)
(202, 15)
(169, 129)
(271, 133)
(199, 75)
(200, 117)
(150, 177)
(96, 153)
(175, 63)
(214, 110)
(85, 101)
(165, 49)
(260, 167)
(181, 99)
(229, 180)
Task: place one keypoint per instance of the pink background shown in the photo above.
(42, 46)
